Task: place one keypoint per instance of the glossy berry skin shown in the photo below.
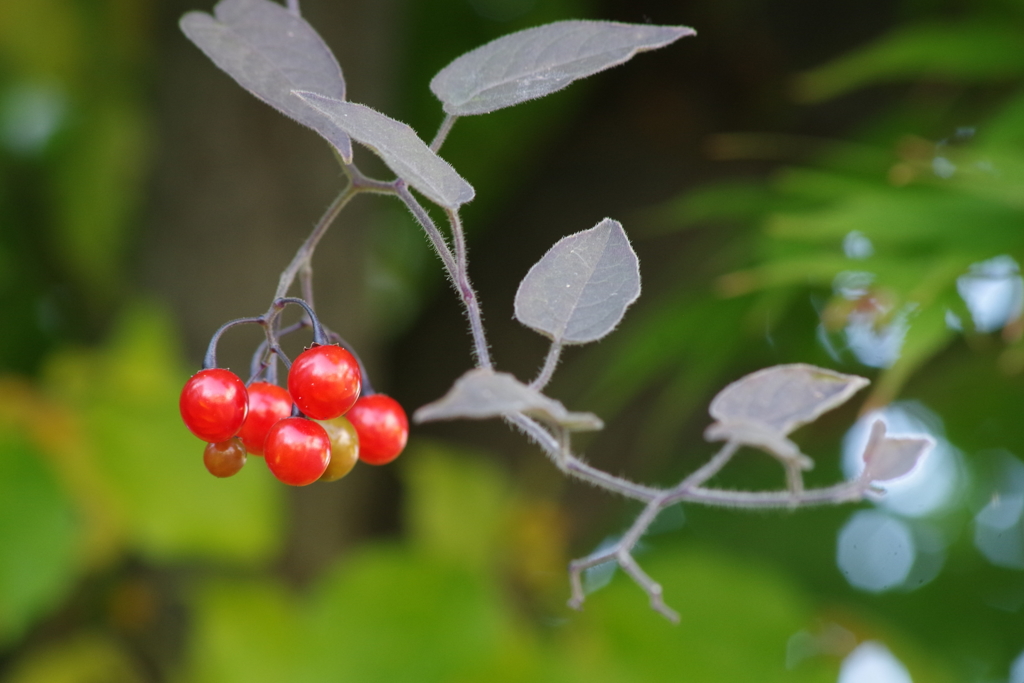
(297, 451)
(344, 448)
(268, 403)
(214, 404)
(224, 459)
(382, 427)
(324, 381)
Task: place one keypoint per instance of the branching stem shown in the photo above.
(575, 467)
(690, 490)
(302, 257)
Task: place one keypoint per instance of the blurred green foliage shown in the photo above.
(877, 230)
(100, 483)
(73, 153)
(92, 471)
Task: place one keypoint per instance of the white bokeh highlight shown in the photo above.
(875, 552)
(999, 525)
(993, 291)
(872, 662)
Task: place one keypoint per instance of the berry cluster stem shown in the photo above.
(303, 256)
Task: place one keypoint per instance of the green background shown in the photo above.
(145, 199)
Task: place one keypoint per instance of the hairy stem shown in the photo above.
(690, 490)
(433, 234)
(465, 288)
(442, 132)
(847, 492)
(575, 467)
(550, 363)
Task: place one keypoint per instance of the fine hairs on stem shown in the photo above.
(553, 440)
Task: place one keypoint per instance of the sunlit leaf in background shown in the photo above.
(967, 51)
(580, 289)
(271, 52)
(538, 61)
(399, 146)
(168, 502)
(225, 648)
(458, 506)
(37, 535)
(84, 658)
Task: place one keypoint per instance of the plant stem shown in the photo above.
(550, 363)
(575, 467)
(305, 252)
(433, 234)
(465, 288)
(210, 360)
(442, 132)
(293, 7)
(689, 490)
(847, 492)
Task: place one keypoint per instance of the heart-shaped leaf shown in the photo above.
(481, 394)
(580, 289)
(398, 145)
(271, 52)
(887, 458)
(779, 399)
(529, 64)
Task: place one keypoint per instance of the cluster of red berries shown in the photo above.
(329, 429)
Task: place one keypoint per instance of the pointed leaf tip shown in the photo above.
(538, 61)
(580, 289)
(481, 394)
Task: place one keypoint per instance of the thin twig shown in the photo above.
(306, 282)
(433, 234)
(367, 184)
(442, 132)
(550, 363)
(305, 252)
(689, 490)
(575, 467)
(846, 492)
(465, 288)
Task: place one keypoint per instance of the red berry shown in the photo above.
(324, 381)
(214, 404)
(297, 451)
(344, 448)
(224, 459)
(382, 427)
(268, 403)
